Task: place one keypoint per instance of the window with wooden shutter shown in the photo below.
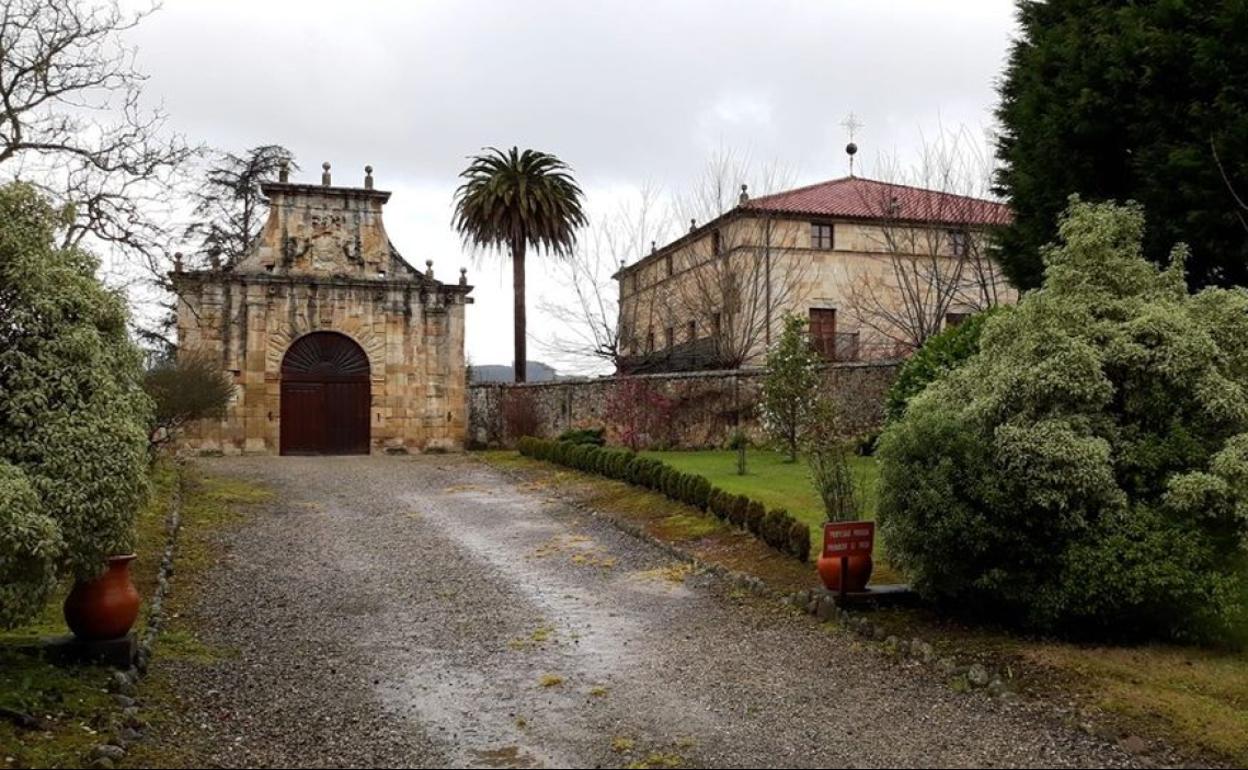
(823, 331)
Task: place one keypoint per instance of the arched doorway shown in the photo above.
(325, 396)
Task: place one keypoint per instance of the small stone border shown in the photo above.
(127, 726)
(822, 605)
(962, 675)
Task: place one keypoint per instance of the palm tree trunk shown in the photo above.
(517, 288)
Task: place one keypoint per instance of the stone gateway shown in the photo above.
(335, 343)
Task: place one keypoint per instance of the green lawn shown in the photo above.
(772, 480)
(777, 483)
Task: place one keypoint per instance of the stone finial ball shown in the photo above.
(325, 165)
(851, 148)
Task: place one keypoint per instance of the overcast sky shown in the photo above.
(626, 92)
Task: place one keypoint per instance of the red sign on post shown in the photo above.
(848, 538)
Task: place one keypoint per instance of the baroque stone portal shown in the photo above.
(392, 337)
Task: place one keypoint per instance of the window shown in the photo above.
(717, 244)
(692, 331)
(823, 331)
(821, 236)
(668, 262)
(953, 319)
(650, 342)
(716, 319)
(670, 333)
(959, 243)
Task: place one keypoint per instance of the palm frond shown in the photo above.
(513, 197)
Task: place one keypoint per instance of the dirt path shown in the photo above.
(426, 611)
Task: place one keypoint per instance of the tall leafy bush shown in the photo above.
(941, 353)
(1087, 471)
(73, 415)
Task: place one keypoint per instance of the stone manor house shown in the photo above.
(336, 344)
(874, 266)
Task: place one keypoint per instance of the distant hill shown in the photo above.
(537, 371)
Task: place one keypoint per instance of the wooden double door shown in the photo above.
(325, 397)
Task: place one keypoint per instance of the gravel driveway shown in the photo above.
(422, 611)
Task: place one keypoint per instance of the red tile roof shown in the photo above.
(858, 198)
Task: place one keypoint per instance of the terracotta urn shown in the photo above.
(106, 607)
(858, 572)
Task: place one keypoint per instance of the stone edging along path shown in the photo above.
(127, 726)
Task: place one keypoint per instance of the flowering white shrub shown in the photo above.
(1088, 470)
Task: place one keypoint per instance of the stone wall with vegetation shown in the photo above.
(681, 410)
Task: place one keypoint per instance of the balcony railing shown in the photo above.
(840, 346)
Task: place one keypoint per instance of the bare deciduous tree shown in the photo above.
(587, 310)
(733, 289)
(742, 279)
(71, 122)
(742, 290)
(713, 301)
(934, 226)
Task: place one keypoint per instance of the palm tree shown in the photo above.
(518, 199)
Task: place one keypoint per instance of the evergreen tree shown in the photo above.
(229, 207)
(791, 387)
(1143, 101)
(73, 415)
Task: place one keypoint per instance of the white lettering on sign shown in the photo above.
(855, 538)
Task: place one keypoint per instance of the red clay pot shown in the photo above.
(106, 607)
(858, 574)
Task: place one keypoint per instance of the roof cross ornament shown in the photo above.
(851, 124)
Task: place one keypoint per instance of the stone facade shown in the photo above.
(702, 408)
(323, 262)
(864, 260)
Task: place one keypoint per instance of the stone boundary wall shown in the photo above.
(704, 406)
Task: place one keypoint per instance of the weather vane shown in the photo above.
(851, 124)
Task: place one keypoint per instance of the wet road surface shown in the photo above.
(428, 611)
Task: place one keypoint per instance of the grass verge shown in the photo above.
(211, 505)
(70, 704)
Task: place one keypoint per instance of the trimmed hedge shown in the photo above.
(593, 436)
(777, 528)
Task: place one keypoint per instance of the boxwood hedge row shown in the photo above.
(776, 527)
